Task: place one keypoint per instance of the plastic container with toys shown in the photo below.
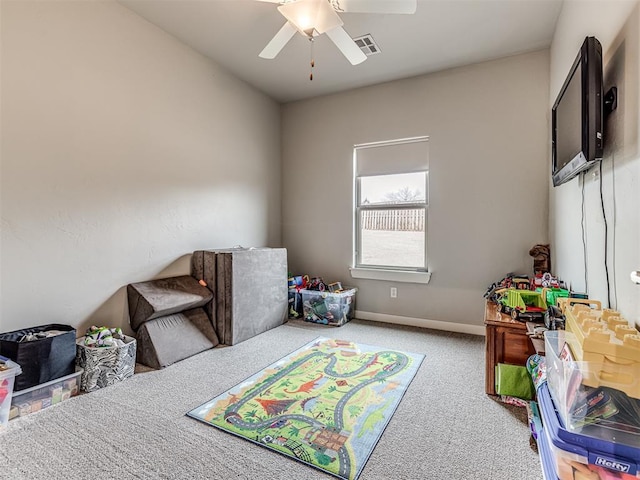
(329, 308)
(569, 456)
(44, 395)
(607, 343)
(8, 372)
(604, 412)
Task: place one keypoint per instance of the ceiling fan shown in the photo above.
(315, 17)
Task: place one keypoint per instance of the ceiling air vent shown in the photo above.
(367, 44)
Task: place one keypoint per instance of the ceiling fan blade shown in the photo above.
(375, 6)
(278, 42)
(346, 45)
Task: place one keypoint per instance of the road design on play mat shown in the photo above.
(325, 404)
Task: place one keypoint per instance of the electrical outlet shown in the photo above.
(393, 292)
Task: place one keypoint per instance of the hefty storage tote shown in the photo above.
(42, 396)
(7, 376)
(44, 353)
(572, 456)
(546, 457)
(329, 308)
(104, 366)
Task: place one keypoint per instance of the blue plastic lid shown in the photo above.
(606, 453)
(546, 457)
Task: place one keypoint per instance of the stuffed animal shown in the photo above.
(541, 259)
(103, 337)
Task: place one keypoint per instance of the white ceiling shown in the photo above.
(441, 34)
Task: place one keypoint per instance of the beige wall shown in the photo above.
(488, 129)
(616, 25)
(122, 152)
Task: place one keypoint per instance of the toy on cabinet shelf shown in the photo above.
(522, 304)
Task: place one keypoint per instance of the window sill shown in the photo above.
(391, 275)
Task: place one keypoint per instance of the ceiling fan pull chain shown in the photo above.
(312, 62)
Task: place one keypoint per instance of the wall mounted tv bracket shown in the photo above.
(611, 100)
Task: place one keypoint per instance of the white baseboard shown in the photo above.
(421, 322)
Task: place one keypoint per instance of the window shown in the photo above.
(391, 201)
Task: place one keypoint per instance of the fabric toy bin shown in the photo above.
(104, 366)
(7, 380)
(329, 308)
(41, 359)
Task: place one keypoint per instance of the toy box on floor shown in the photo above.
(105, 360)
(592, 396)
(604, 454)
(590, 409)
(44, 353)
(37, 398)
(8, 372)
(329, 308)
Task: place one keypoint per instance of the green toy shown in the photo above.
(552, 294)
(523, 304)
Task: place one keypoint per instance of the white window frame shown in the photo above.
(383, 272)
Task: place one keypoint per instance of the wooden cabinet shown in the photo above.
(506, 342)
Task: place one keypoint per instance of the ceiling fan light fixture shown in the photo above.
(311, 15)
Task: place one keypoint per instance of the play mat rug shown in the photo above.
(326, 404)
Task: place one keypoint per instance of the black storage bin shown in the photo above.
(43, 359)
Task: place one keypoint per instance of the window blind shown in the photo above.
(403, 156)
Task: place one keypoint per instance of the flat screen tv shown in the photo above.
(576, 117)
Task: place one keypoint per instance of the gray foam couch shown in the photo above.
(231, 295)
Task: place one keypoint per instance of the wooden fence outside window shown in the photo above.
(403, 220)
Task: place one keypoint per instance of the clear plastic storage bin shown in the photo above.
(329, 308)
(7, 379)
(568, 455)
(44, 395)
(603, 412)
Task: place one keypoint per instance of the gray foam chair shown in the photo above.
(158, 298)
(169, 339)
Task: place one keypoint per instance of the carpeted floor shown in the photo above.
(444, 428)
